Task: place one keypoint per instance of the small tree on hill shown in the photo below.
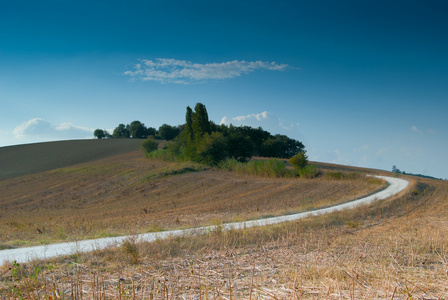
(121, 131)
(138, 130)
(99, 133)
(299, 161)
(149, 145)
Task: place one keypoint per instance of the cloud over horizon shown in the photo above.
(166, 70)
(266, 120)
(42, 129)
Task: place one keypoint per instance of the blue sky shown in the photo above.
(362, 83)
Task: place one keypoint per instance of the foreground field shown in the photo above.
(393, 249)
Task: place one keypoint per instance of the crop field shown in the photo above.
(394, 249)
(128, 194)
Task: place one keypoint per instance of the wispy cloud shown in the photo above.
(166, 70)
(266, 120)
(429, 131)
(41, 129)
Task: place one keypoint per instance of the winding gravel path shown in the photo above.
(21, 255)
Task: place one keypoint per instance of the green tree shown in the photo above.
(200, 124)
(212, 149)
(99, 133)
(167, 132)
(187, 136)
(151, 131)
(240, 145)
(121, 131)
(396, 170)
(138, 130)
(280, 146)
(299, 161)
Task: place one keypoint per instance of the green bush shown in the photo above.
(299, 161)
(267, 168)
(149, 145)
(310, 171)
(164, 155)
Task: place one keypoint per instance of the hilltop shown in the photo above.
(28, 159)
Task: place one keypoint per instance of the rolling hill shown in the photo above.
(393, 249)
(33, 158)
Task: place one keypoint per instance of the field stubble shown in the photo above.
(129, 194)
(394, 249)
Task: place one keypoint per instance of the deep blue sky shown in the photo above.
(363, 83)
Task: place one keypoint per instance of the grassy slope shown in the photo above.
(127, 193)
(395, 249)
(28, 159)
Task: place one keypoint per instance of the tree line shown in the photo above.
(201, 140)
(138, 130)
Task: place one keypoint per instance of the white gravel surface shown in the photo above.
(21, 255)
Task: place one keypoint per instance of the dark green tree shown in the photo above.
(201, 124)
(99, 133)
(151, 131)
(212, 149)
(138, 130)
(121, 131)
(396, 170)
(167, 132)
(280, 146)
(240, 145)
(187, 136)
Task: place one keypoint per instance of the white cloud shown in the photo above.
(38, 128)
(166, 70)
(265, 119)
(428, 131)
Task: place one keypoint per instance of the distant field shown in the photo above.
(33, 158)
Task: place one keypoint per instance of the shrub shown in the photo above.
(310, 171)
(267, 168)
(164, 155)
(129, 247)
(149, 145)
(299, 161)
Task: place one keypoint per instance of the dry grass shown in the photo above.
(397, 250)
(128, 194)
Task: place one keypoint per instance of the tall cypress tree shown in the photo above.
(190, 150)
(189, 123)
(201, 124)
